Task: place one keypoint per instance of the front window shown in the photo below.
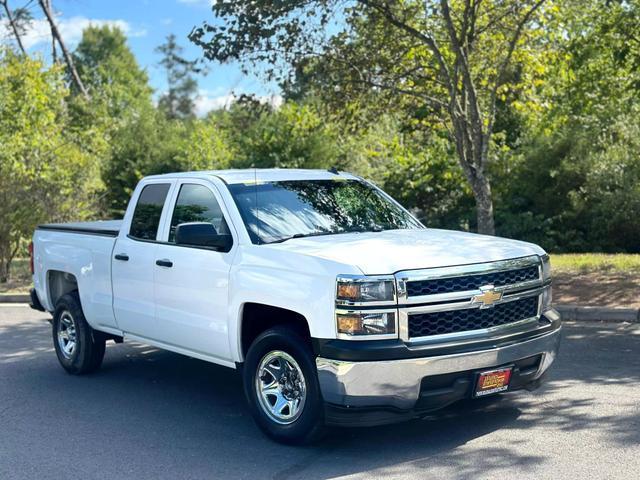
(196, 203)
(277, 211)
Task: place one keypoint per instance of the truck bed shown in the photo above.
(77, 255)
(109, 228)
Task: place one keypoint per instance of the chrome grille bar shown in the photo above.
(458, 300)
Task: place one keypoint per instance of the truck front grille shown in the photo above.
(468, 319)
(471, 282)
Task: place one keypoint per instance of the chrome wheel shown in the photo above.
(280, 387)
(67, 338)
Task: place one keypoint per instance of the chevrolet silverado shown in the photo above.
(335, 304)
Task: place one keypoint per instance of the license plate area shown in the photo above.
(493, 381)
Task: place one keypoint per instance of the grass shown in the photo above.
(20, 281)
(596, 262)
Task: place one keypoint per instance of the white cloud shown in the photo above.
(207, 101)
(70, 29)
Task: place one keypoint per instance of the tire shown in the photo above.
(80, 349)
(286, 347)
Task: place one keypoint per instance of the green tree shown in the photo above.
(45, 172)
(182, 87)
(207, 146)
(451, 60)
(293, 136)
(111, 73)
(120, 102)
(566, 181)
(143, 147)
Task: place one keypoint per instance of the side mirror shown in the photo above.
(202, 234)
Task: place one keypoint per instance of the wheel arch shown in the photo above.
(256, 318)
(60, 283)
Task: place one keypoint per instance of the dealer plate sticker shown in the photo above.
(494, 381)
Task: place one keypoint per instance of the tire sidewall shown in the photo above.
(308, 425)
(78, 361)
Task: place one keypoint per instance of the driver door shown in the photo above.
(192, 283)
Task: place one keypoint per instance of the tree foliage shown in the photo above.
(365, 92)
(110, 72)
(452, 61)
(45, 172)
(182, 87)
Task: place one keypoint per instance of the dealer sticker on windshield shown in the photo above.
(493, 381)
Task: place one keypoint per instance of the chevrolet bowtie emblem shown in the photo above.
(488, 297)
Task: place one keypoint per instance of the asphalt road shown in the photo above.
(150, 414)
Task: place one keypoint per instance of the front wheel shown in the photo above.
(281, 386)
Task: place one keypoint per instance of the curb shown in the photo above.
(598, 314)
(15, 298)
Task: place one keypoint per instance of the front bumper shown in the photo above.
(397, 384)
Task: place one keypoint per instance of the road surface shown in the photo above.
(150, 414)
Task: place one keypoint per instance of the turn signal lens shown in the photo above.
(365, 290)
(348, 291)
(349, 324)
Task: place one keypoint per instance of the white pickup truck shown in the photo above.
(337, 306)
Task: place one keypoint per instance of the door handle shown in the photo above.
(164, 263)
(122, 256)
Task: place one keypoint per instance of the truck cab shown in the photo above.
(335, 304)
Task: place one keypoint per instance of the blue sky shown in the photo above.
(147, 23)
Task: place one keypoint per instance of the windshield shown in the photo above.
(278, 211)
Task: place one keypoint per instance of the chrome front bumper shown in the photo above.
(396, 383)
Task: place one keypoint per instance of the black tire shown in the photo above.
(88, 351)
(309, 424)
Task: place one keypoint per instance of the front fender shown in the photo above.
(303, 284)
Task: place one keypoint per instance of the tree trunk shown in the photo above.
(54, 53)
(4, 272)
(484, 205)
(46, 8)
(472, 156)
(14, 27)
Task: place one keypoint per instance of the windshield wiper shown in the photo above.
(302, 235)
(318, 234)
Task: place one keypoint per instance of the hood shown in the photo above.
(377, 253)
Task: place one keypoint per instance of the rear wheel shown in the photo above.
(80, 349)
(281, 386)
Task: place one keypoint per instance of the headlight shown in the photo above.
(352, 289)
(366, 323)
(546, 268)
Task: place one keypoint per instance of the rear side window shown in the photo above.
(146, 216)
(196, 203)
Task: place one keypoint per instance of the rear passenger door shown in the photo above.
(192, 283)
(133, 262)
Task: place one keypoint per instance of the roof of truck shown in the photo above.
(250, 175)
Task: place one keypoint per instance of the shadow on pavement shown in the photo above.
(155, 413)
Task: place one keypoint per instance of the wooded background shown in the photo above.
(518, 118)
